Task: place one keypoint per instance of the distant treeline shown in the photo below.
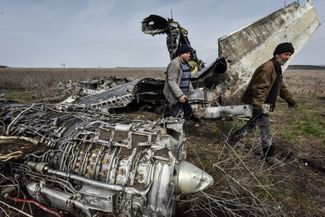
(307, 67)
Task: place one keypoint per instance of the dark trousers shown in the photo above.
(263, 123)
(180, 110)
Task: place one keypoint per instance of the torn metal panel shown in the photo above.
(211, 75)
(251, 46)
(77, 89)
(144, 92)
(117, 92)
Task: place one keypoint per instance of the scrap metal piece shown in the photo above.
(212, 75)
(19, 146)
(119, 91)
(154, 25)
(70, 91)
(192, 179)
(117, 97)
(218, 112)
(176, 35)
(144, 92)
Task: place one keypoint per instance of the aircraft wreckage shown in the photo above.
(239, 54)
(74, 157)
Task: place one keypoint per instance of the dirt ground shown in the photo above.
(244, 184)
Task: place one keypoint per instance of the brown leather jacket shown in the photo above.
(265, 85)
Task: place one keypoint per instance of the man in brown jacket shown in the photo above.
(264, 87)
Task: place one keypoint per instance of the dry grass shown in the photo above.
(305, 82)
(40, 78)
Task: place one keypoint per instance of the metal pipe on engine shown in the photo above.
(43, 168)
(12, 139)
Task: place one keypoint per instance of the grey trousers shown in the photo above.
(263, 123)
(180, 110)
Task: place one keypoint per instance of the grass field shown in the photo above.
(244, 184)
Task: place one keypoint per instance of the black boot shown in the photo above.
(233, 139)
(268, 151)
(269, 156)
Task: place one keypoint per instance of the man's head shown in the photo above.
(283, 52)
(184, 52)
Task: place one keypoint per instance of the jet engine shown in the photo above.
(96, 165)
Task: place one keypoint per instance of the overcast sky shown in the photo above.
(107, 33)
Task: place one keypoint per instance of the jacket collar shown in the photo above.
(277, 66)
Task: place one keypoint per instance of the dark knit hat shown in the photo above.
(183, 48)
(283, 48)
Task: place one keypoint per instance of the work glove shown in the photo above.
(291, 103)
(257, 111)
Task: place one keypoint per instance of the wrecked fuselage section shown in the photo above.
(91, 165)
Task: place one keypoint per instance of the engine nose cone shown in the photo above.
(192, 179)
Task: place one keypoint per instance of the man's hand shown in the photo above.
(182, 99)
(291, 103)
